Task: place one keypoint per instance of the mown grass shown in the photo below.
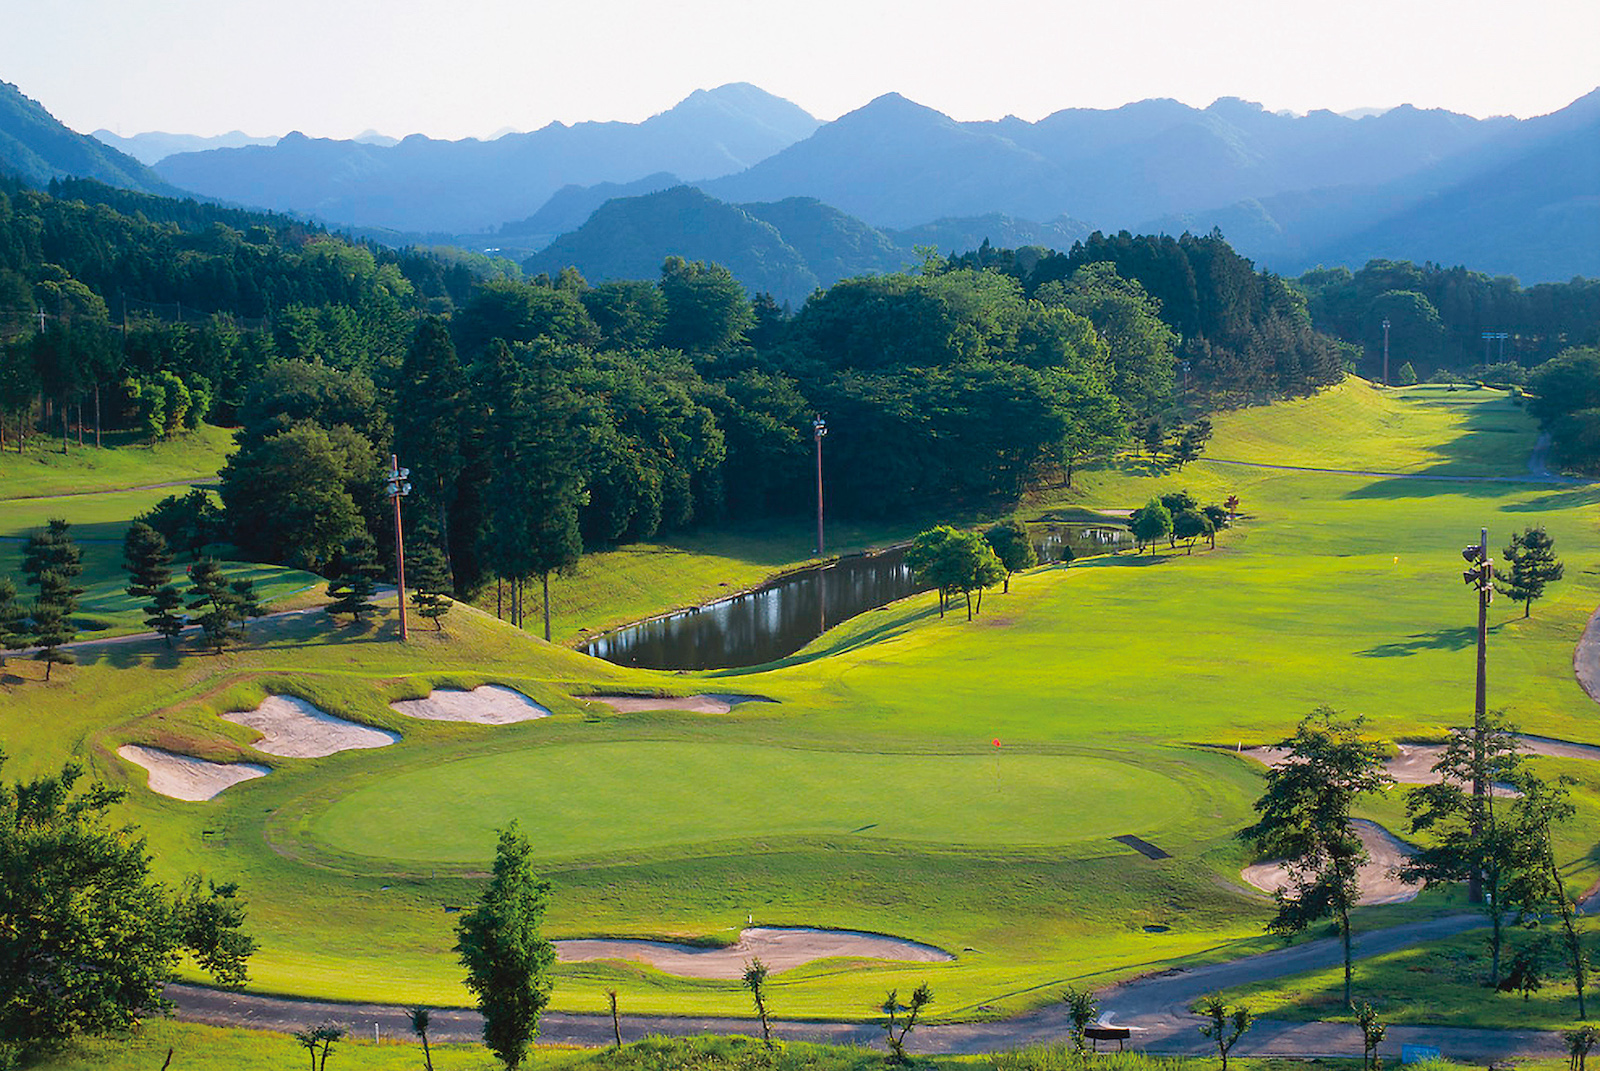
(1332, 589)
(123, 461)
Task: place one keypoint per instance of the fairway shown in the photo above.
(869, 795)
(588, 799)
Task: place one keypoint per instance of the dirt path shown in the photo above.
(1155, 1007)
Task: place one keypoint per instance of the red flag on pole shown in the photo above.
(997, 741)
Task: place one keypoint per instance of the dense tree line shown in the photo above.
(1438, 316)
(1240, 333)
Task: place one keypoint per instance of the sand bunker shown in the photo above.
(1413, 763)
(184, 777)
(1379, 885)
(708, 703)
(780, 949)
(487, 704)
(293, 728)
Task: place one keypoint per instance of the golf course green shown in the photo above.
(870, 795)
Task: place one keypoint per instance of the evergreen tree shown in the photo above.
(162, 616)
(52, 620)
(1533, 565)
(506, 956)
(246, 600)
(430, 417)
(13, 618)
(220, 616)
(357, 568)
(430, 584)
(149, 564)
(53, 550)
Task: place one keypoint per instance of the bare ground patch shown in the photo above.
(295, 729)
(1379, 884)
(487, 704)
(781, 949)
(184, 777)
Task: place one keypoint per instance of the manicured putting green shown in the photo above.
(595, 799)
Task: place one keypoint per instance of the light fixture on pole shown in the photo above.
(819, 428)
(1386, 351)
(1479, 574)
(397, 485)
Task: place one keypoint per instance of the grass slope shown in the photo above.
(869, 796)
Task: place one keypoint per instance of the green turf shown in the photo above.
(123, 461)
(1098, 679)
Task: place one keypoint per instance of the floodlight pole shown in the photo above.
(819, 428)
(1386, 351)
(398, 487)
(1480, 574)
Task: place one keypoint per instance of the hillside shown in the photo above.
(628, 238)
(153, 146)
(35, 146)
(428, 185)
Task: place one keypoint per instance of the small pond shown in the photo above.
(777, 619)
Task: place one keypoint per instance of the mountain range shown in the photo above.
(1502, 195)
(426, 185)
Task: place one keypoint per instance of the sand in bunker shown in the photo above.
(1379, 885)
(487, 704)
(293, 728)
(708, 703)
(184, 777)
(780, 949)
(1413, 763)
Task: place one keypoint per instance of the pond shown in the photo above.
(777, 619)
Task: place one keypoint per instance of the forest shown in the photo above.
(542, 417)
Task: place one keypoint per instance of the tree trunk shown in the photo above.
(1527, 608)
(546, 578)
(97, 414)
(980, 600)
(499, 598)
(1007, 589)
(969, 603)
(1344, 933)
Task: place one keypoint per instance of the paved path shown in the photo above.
(198, 481)
(1155, 1007)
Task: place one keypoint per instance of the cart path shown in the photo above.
(199, 481)
(1154, 1007)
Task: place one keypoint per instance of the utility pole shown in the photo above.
(398, 485)
(1479, 574)
(819, 428)
(1386, 351)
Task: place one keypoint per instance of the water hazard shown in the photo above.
(779, 618)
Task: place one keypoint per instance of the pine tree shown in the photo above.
(220, 615)
(430, 413)
(148, 560)
(52, 620)
(248, 602)
(430, 583)
(52, 550)
(161, 616)
(1533, 562)
(13, 618)
(357, 566)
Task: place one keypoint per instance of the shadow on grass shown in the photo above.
(1447, 639)
(853, 640)
(1568, 499)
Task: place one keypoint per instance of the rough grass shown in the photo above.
(124, 461)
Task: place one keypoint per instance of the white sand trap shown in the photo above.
(487, 704)
(184, 777)
(780, 949)
(1413, 763)
(708, 703)
(293, 728)
(1379, 885)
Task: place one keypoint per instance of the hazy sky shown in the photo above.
(458, 68)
